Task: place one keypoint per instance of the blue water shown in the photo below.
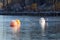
(30, 28)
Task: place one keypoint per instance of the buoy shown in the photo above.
(18, 22)
(15, 25)
(42, 24)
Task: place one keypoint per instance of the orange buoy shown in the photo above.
(15, 25)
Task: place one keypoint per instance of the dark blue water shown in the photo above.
(30, 28)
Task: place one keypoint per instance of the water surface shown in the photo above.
(30, 28)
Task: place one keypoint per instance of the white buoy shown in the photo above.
(42, 24)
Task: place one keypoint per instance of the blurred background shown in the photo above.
(29, 5)
(30, 28)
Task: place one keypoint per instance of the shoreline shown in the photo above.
(31, 13)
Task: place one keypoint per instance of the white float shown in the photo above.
(42, 24)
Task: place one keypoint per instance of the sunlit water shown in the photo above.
(30, 28)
